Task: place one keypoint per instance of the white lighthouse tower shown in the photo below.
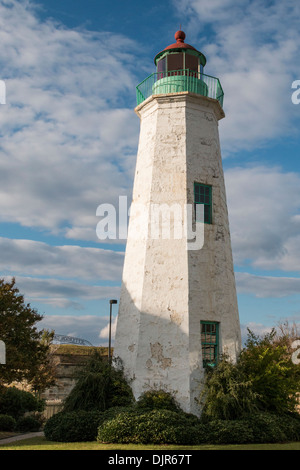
(178, 308)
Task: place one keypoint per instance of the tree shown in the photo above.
(99, 386)
(26, 352)
(267, 363)
(264, 378)
(227, 393)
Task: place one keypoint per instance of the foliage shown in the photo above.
(227, 393)
(45, 375)
(26, 353)
(15, 402)
(7, 423)
(264, 378)
(99, 386)
(269, 427)
(168, 427)
(155, 427)
(268, 365)
(157, 399)
(28, 424)
(229, 432)
(73, 426)
(240, 405)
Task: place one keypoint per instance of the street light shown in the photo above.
(112, 301)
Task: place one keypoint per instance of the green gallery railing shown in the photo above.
(178, 81)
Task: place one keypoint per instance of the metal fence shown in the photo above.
(178, 81)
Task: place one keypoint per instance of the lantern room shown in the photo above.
(179, 68)
(179, 56)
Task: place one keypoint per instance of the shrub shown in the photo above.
(155, 427)
(15, 402)
(158, 400)
(114, 411)
(269, 427)
(7, 423)
(135, 426)
(99, 386)
(229, 432)
(264, 378)
(275, 379)
(73, 426)
(227, 393)
(28, 424)
(290, 425)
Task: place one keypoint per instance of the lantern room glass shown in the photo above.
(179, 61)
(175, 62)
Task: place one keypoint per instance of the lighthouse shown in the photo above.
(178, 309)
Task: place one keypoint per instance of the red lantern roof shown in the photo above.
(179, 46)
(180, 37)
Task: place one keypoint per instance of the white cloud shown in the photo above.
(57, 292)
(267, 286)
(253, 47)
(68, 138)
(86, 327)
(104, 333)
(28, 257)
(257, 328)
(264, 216)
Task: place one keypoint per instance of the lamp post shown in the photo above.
(112, 301)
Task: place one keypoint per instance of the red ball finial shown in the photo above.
(180, 36)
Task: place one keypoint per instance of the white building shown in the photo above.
(178, 308)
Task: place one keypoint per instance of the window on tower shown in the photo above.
(203, 195)
(209, 343)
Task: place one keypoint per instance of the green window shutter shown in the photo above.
(203, 195)
(210, 343)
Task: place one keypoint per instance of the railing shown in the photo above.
(177, 81)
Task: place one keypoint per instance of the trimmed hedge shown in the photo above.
(28, 424)
(132, 425)
(167, 427)
(150, 427)
(16, 403)
(73, 426)
(7, 423)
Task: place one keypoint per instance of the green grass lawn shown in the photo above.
(40, 443)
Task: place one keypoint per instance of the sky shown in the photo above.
(69, 138)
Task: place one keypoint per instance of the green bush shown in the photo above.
(155, 427)
(157, 400)
(264, 378)
(290, 425)
(73, 426)
(7, 423)
(227, 394)
(99, 386)
(138, 426)
(228, 432)
(269, 427)
(28, 424)
(114, 411)
(259, 427)
(16, 403)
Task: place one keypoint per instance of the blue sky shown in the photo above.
(69, 139)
